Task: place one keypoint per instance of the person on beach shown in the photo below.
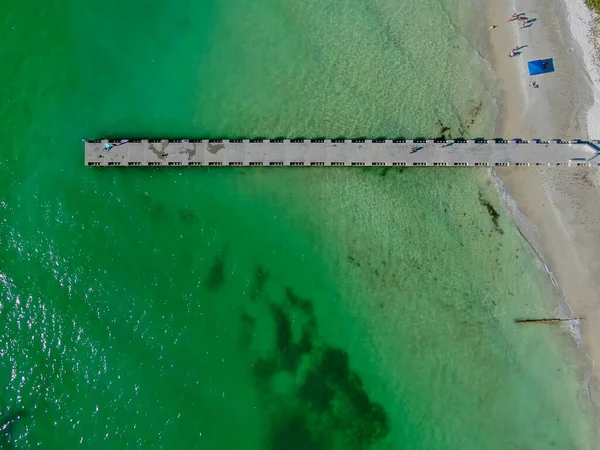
(534, 84)
(492, 27)
(511, 54)
(525, 23)
(513, 17)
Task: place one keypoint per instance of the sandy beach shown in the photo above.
(558, 108)
(562, 206)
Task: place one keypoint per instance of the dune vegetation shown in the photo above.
(594, 4)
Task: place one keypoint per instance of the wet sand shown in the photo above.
(564, 206)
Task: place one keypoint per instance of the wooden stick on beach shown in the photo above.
(546, 320)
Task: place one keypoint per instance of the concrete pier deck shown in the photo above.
(324, 152)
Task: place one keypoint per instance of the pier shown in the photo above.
(339, 152)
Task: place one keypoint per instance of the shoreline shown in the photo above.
(549, 206)
(556, 210)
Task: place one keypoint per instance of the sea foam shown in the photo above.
(530, 235)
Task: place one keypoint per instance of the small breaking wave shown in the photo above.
(526, 228)
(530, 235)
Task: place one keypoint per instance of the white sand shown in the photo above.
(581, 25)
(558, 108)
(562, 203)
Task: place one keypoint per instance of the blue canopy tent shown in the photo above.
(540, 66)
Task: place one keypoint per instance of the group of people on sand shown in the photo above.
(521, 18)
(524, 22)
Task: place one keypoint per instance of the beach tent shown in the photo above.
(540, 66)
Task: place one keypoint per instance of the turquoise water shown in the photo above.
(263, 309)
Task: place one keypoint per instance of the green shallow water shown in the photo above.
(263, 309)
